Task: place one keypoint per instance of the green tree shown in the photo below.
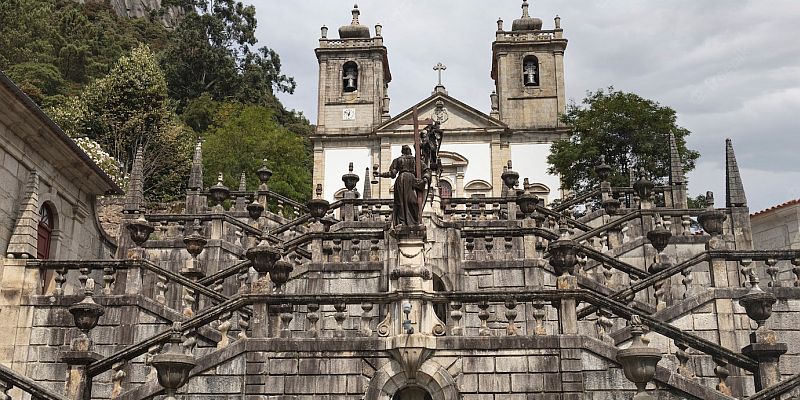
(241, 136)
(628, 130)
(211, 51)
(129, 108)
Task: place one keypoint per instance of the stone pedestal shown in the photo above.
(567, 316)
(768, 356)
(79, 384)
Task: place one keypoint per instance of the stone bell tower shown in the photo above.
(353, 79)
(528, 71)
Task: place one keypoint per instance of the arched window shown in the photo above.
(445, 189)
(350, 77)
(45, 231)
(530, 71)
(412, 393)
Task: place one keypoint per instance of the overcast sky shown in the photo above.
(729, 68)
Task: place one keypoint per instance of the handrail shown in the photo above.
(28, 385)
(647, 282)
(673, 333)
(479, 232)
(576, 200)
(291, 224)
(615, 263)
(201, 318)
(223, 273)
(203, 217)
(727, 255)
(269, 193)
(772, 392)
(308, 237)
(126, 264)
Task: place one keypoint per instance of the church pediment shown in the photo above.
(451, 113)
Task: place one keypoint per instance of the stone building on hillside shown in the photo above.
(251, 295)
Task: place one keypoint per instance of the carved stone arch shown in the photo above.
(430, 376)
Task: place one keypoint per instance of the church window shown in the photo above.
(350, 77)
(445, 189)
(530, 71)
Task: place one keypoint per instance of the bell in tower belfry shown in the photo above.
(350, 77)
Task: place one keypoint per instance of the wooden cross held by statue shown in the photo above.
(417, 151)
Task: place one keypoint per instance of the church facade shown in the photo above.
(246, 294)
(353, 112)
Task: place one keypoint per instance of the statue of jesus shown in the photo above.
(406, 209)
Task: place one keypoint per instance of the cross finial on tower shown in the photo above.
(439, 67)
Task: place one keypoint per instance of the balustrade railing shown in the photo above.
(10, 379)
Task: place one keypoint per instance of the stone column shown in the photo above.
(567, 316)
(497, 164)
(385, 162)
(318, 172)
(459, 190)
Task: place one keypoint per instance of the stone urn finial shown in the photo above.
(173, 366)
(86, 314)
(219, 192)
(711, 220)
(195, 242)
(643, 186)
(264, 173)
(510, 178)
(660, 236)
(279, 274)
(564, 251)
(350, 179)
(139, 230)
(639, 361)
(526, 202)
(263, 256)
(255, 209)
(602, 169)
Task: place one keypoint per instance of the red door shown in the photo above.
(45, 232)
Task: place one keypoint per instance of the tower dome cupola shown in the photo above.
(355, 30)
(526, 23)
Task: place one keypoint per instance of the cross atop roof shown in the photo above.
(439, 67)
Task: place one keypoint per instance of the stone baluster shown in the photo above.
(148, 358)
(483, 315)
(85, 270)
(280, 207)
(686, 222)
(772, 271)
(455, 315)
(608, 274)
(583, 260)
(224, 327)
(508, 246)
(337, 250)
(244, 323)
(511, 316)
(687, 280)
(189, 301)
(117, 378)
(162, 286)
(313, 317)
(356, 249)
(496, 210)
(482, 211)
(488, 244)
(721, 372)
(746, 269)
(603, 324)
(287, 314)
(538, 317)
(374, 250)
(470, 248)
(366, 318)
(796, 271)
(60, 278)
(109, 277)
(339, 316)
(683, 360)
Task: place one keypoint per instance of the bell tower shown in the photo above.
(528, 71)
(353, 80)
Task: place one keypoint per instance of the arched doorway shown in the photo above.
(45, 231)
(412, 393)
(44, 241)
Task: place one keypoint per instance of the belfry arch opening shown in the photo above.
(412, 393)
(530, 71)
(349, 77)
